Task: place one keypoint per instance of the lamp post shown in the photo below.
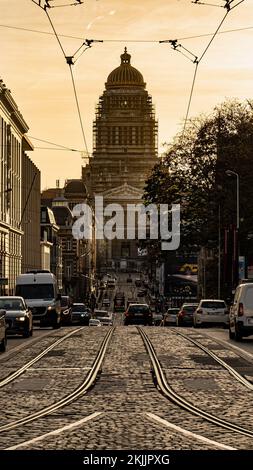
(233, 173)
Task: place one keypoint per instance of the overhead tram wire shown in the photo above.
(228, 9)
(185, 38)
(62, 147)
(70, 62)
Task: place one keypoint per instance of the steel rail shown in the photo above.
(80, 390)
(173, 396)
(210, 353)
(26, 366)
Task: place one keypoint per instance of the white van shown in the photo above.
(40, 291)
(241, 312)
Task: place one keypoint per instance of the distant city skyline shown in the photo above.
(34, 69)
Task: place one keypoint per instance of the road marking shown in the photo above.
(166, 423)
(59, 368)
(229, 345)
(73, 425)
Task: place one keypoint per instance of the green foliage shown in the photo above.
(192, 173)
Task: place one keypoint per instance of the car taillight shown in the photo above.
(240, 310)
(199, 310)
(182, 313)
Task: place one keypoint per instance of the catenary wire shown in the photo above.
(63, 147)
(125, 40)
(198, 62)
(73, 81)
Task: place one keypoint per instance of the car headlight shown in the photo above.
(20, 318)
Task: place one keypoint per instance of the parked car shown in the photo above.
(241, 312)
(94, 322)
(18, 317)
(185, 314)
(170, 317)
(66, 310)
(138, 313)
(3, 336)
(211, 311)
(80, 314)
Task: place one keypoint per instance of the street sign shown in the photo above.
(241, 267)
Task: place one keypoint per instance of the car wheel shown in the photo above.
(26, 333)
(3, 344)
(231, 334)
(238, 336)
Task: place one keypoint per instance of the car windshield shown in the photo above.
(79, 308)
(35, 291)
(248, 301)
(11, 304)
(138, 309)
(101, 313)
(189, 308)
(173, 311)
(213, 304)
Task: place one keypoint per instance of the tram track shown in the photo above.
(30, 363)
(237, 376)
(83, 418)
(80, 390)
(164, 387)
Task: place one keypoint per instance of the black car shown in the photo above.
(18, 317)
(3, 337)
(80, 314)
(138, 313)
(185, 314)
(66, 310)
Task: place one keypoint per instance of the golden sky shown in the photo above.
(33, 66)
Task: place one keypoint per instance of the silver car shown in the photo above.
(18, 317)
(211, 311)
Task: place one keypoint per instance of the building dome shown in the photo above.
(75, 186)
(125, 74)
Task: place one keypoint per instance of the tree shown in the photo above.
(193, 173)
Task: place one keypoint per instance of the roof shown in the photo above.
(125, 74)
(75, 186)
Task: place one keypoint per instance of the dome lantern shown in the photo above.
(125, 74)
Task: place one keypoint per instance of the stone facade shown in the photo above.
(125, 151)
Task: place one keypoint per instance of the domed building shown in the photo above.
(125, 150)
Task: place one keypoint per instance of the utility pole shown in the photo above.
(219, 252)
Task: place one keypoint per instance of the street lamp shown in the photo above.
(233, 173)
(237, 247)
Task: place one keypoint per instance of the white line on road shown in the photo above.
(73, 425)
(227, 343)
(187, 433)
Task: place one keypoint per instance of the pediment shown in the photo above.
(123, 192)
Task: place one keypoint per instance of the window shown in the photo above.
(69, 244)
(69, 270)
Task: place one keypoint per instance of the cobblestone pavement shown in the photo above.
(124, 393)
